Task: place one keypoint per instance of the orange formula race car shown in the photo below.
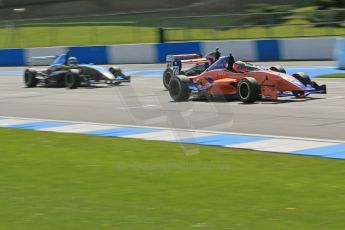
(244, 81)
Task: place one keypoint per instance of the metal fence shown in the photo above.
(127, 29)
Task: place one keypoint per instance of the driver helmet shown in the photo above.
(239, 67)
(72, 61)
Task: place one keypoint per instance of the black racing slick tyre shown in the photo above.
(72, 80)
(30, 79)
(179, 90)
(278, 68)
(167, 76)
(248, 90)
(302, 77)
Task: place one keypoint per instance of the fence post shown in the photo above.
(161, 32)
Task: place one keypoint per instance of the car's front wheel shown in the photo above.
(278, 69)
(30, 79)
(302, 77)
(72, 80)
(179, 90)
(248, 90)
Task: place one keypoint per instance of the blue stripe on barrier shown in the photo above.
(165, 49)
(90, 54)
(12, 57)
(268, 50)
(222, 140)
(121, 132)
(39, 125)
(333, 151)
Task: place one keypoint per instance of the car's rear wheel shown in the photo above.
(248, 90)
(30, 79)
(302, 77)
(72, 80)
(167, 76)
(179, 90)
(278, 69)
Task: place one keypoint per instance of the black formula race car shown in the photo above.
(66, 72)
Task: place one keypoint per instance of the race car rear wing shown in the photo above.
(56, 59)
(175, 62)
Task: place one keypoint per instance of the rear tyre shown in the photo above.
(278, 69)
(72, 80)
(302, 77)
(179, 90)
(30, 79)
(248, 90)
(167, 76)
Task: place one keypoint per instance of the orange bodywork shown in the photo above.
(224, 82)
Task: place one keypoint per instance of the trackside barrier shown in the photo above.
(137, 53)
(307, 48)
(164, 49)
(242, 49)
(90, 54)
(248, 50)
(340, 53)
(268, 50)
(12, 57)
(40, 52)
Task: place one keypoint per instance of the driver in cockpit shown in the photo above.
(239, 67)
(72, 61)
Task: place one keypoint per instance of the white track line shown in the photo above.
(79, 128)
(281, 145)
(186, 130)
(169, 135)
(12, 121)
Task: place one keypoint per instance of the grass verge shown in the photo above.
(63, 181)
(339, 75)
(143, 28)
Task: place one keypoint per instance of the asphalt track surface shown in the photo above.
(145, 102)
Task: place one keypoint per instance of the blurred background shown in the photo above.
(40, 23)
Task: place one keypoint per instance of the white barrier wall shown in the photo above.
(247, 50)
(127, 54)
(307, 48)
(241, 49)
(45, 51)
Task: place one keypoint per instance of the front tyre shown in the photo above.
(167, 76)
(248, 90)
(278, 69)
(303, 78)
(30, 79)
(72, 80)
(179, 90)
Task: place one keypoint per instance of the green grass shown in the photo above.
(142, 28)
(62, 181)
(84, 35)
(339, 75)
